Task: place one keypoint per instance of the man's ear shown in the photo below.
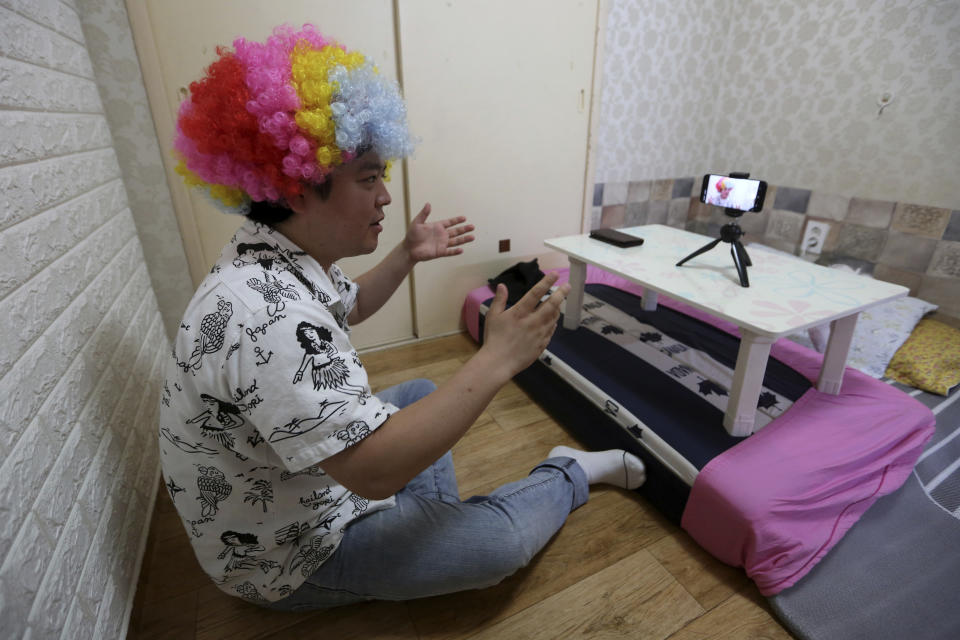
(298, 203)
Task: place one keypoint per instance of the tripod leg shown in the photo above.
(741, 267)
(703, 249)
(744, 256)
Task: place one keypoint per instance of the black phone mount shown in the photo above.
(730, 233)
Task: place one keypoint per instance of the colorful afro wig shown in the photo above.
(269, 118)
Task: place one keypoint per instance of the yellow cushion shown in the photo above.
(929, 359)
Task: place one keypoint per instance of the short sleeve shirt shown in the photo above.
(263, 385)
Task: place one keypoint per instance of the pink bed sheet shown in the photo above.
(780, 500)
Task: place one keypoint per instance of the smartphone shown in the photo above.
(618, 238)
(742, 194)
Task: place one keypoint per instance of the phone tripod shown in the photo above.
(731, 233)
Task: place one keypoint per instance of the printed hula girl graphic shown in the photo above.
(257, 253)
(327, 368)
(227, 417)
(241, 550)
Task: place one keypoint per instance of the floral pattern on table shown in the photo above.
(785, 294)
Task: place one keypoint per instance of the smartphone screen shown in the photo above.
(736, 193)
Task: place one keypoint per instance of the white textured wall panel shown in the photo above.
(61, 487)
(83, 342)
(28, 465)
(53, 15)
(32, 378)
(50, 90)
(33, 136)
(26, 40)
(52, 604)
(81, 621)
(39, 241)
(22, 575)
(28, 189)
(38, 302)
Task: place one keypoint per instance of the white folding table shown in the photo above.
(785, 295)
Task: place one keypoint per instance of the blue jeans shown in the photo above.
(431, 543)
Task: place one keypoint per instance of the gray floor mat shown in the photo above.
(896, 573)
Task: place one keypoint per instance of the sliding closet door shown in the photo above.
(499, 91)
(176, 40)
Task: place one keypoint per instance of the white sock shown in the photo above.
(614, 466)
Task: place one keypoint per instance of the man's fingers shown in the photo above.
(422, 216)
(546, 315)
(557, 297)
(459, 240)
(499, 299)
(450, 222)
(552, 305)
(532, 297)
(459, 231)
(561, 293)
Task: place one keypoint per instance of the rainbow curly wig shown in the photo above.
(269, 118)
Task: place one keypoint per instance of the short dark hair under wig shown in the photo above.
(271, 213)
(268, 213)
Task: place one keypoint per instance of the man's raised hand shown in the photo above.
(429, 240)
(518, 335)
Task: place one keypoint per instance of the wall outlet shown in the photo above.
(814, 236)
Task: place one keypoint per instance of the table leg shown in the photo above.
(648, 301)
(578, 279)
(747, 382)
(835, 357)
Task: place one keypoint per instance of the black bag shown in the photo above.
(519, 279)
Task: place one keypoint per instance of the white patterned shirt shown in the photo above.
(262, 386)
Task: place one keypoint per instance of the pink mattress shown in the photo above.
(778, 501)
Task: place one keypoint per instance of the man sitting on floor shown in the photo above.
(299, 488)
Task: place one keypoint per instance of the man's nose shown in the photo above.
(383, 197)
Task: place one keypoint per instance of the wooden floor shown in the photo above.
(617, 569)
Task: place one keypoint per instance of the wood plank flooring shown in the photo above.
(617, 569)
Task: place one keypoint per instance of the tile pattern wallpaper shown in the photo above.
(913, 245)
(788, 91)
